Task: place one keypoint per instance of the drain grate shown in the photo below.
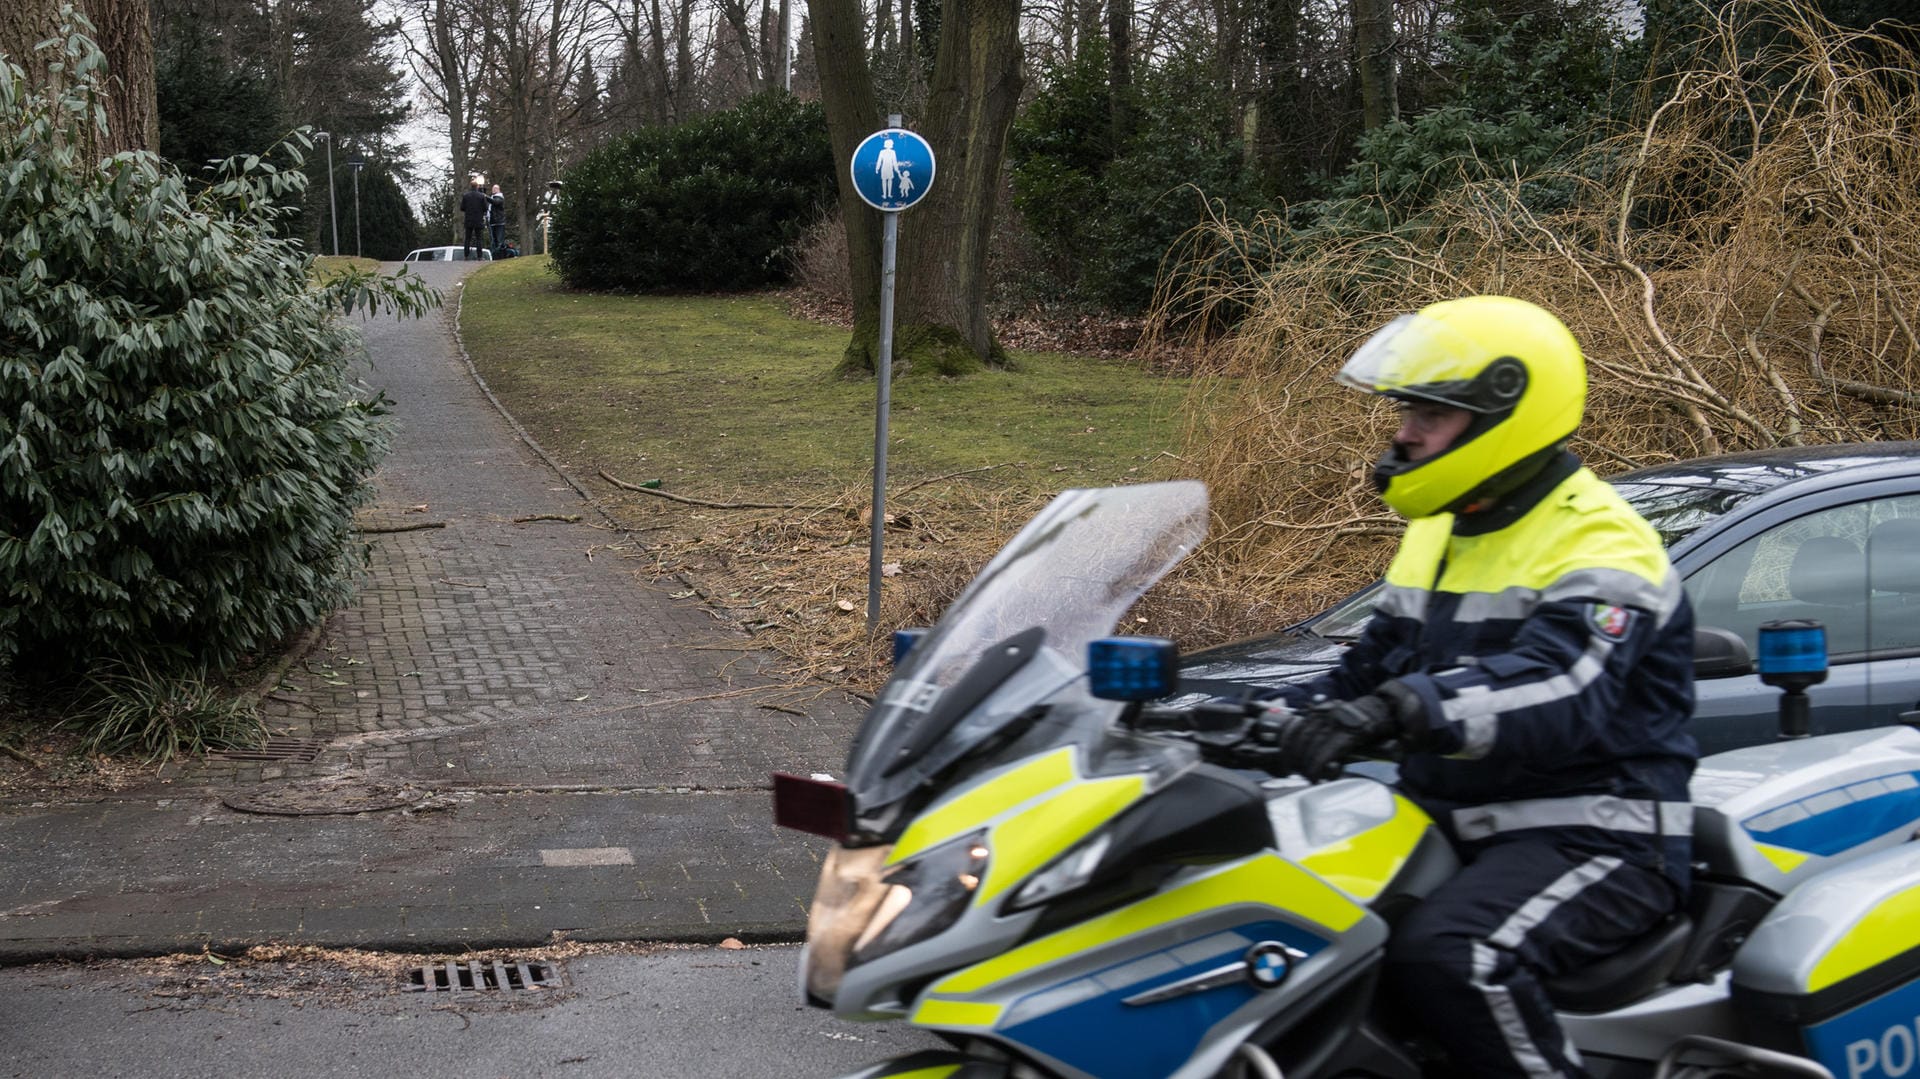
(299, 750)
(475, 975)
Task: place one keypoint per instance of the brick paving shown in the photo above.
(501, 667)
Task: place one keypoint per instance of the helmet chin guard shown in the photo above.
(1513, 365)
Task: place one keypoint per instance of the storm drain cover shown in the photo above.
(318, 797)
(299, 750)
(481, 976)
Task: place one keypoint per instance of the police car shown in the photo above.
(1823, 532)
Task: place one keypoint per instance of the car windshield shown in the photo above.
(1675, 511)
(1065, 580)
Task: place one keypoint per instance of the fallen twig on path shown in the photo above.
(948, 476)
(569, 518)
(373, 529)
(19, 756)
(624, 485)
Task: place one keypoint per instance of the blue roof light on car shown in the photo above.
(1793, 657)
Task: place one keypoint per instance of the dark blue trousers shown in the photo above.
(1465, 966)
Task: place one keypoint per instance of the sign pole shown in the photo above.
(889, 242)
(892, 170)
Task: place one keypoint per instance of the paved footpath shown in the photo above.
(572, 748)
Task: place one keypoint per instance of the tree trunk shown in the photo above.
(666, 112)
(683, 62)
(1120, 69)
(941, 322)
(943, 259)
(1279, 96)
(124, 32)
(852, 108)
(786, 45)
(1373, 51)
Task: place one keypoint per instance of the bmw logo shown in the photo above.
(1268, 964)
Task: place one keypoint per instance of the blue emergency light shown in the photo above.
(1131, 668)
(1793, 657)
(1793, 651)
(903, 642)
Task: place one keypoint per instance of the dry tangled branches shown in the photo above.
(1742, 271)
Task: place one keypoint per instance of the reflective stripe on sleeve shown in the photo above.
(1403, 601)
(1639, 816)
(1620, 588)
(1478, 708)
(1512, 604)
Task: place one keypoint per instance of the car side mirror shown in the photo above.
(1720, 653)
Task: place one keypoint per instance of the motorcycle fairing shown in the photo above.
(1780, 814)
(1833, 972)
(1354, 833)
(1052, 997)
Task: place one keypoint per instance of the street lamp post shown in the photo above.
(356, 164)
(547, 202)
(333, 216)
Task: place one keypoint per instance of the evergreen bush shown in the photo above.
(181, 445)
(715, 204)
(1105, 206)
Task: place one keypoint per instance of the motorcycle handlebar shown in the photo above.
(1207, 717)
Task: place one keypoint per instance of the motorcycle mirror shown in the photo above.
(1131, 668)
(815, 806)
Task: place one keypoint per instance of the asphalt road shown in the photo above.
(681, 1013)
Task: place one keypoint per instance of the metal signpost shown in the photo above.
(892, 170)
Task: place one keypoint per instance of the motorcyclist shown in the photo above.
(1531, 653)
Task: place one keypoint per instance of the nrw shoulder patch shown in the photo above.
(1609, 621)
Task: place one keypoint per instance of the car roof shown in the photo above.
(1761, 471)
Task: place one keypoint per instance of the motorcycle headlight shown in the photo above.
(924, 895)
(864, 909)
(1067, 873)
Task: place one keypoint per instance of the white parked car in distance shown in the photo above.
(455, 253)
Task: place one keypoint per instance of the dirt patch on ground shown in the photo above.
(39, 759)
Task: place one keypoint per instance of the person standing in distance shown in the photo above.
(1532, 655)
(497, 217)
(473, 210)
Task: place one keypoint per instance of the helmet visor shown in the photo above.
(1419, 357)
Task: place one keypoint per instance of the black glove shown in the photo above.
(1323, 737)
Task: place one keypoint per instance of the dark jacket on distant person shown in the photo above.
(474, 205)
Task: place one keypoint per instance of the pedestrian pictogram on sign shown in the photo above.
(893, 169)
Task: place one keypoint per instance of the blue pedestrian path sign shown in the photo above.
(893, 169)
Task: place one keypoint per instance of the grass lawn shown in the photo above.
(730, 398)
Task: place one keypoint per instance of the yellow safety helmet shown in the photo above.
(1513, 365)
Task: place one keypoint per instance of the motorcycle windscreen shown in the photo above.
(1066, 579)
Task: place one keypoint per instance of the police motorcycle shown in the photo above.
(1058, 881)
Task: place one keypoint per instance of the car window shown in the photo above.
(1676, 511)
(1854, 568)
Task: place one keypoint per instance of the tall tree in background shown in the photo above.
(448, 62)
(214, 103)
(124, 32)
(1373, 56)
(972, 95)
